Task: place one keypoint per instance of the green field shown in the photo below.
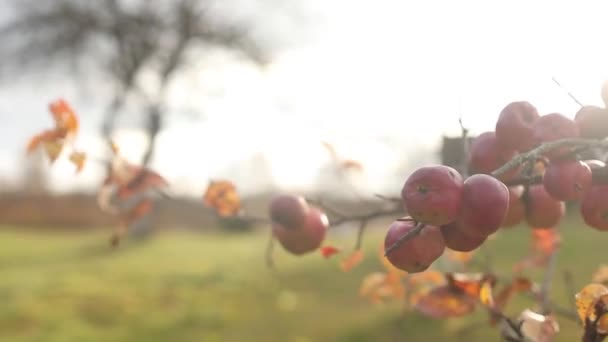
(186, 286)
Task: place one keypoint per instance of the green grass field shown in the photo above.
(180, 286)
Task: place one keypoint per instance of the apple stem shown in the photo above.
(405, 237)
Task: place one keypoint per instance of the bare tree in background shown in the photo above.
(126, 38)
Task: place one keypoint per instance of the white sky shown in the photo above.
(381, 80)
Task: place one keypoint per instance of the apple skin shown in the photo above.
(456, 239)
(542, 210)
(305, 238)
(485, 202)
(551, 127)
(433, 194)
(418, 253)
(592, 122)
(514, 126)
(288, 211)
(517, 208)
(486, 155)
(567, 180)
(594, 207)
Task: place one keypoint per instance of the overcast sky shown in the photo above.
(381, 80)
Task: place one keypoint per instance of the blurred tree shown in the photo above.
(127, 39)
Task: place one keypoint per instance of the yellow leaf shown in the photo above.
(223, 198)
(586, 298)
(601, 275)
(53, 149)
(78, 159)
(485, 294)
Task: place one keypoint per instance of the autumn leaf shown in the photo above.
(143, 179)
(53, 149)
(329, 251)
(223, 198)
(469, 283)
(585, 300)
(351, 261)
(39, 139)
(66, 120)
(536, 327)
(444, 302)
(486, 297)
(78, 159)
(379, 286)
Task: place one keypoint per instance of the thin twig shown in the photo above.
(536, 153)
(546, 284)
(389, 198)
(269, 251)
(405, 237)
(464, 163)
(567, 92)
(360, 233)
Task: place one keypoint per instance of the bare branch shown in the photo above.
(535, 154)
(567, 92)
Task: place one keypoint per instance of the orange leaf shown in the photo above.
(444, 302)
(38, 139)
(545, 240)
(486, 296)
(352, 260)
(469, 283)
(223, 198)
(78, 159)
(65, 118)
(329, 251)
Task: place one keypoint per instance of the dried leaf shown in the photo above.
(537, 327)
(223, 198)
(486, 296)
(469, 283)
(329, 251)
(444, 302)
(53, 149)
(38, 139)
(78, 159)
(143, 179)
(585, 300)
(354, 259)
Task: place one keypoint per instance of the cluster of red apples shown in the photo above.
(451, 211)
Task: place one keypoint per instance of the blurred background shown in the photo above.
(273, 96)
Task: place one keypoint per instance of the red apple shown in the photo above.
(514, 126)
(418, 253)
(542, 210)
(288, 211)
(432, 194)
(567, 180)
(553, 127)
(485, 202)
(455, 238)
(592, 122)
(594, 207)
(486, 155)
(305, 238)
(517, 209)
